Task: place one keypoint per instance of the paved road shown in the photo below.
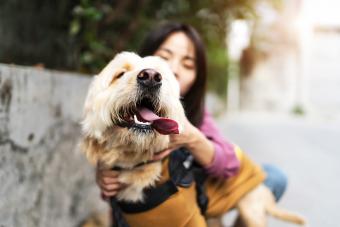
(307, 149)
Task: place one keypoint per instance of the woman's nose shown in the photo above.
(175, 67)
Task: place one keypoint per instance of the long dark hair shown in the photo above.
(193, 101)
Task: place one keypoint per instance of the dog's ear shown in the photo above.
(116, 68)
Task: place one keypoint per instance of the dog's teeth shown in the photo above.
(139, 122)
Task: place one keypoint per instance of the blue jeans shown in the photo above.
(276, 180)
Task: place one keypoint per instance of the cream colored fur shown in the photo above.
(109, 97)
(259, 202)
(254, 207)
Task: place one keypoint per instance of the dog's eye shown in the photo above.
(119, 74)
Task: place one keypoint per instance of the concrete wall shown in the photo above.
(44, 178)
(323, 73)
(309, 78)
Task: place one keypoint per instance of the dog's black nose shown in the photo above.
(149, 78)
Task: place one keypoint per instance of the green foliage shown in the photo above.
(103, 28)
(298, 110)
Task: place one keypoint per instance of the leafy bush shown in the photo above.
(83, 35)
(103, 28)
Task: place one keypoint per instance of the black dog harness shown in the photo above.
(183, 172)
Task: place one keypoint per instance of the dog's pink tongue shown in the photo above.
(163, 125)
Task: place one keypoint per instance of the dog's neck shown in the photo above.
(125, 152)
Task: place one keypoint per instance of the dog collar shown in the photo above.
(118, 168)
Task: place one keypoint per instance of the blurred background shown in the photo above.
(274, 88)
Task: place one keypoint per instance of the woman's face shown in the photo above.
(179, 51)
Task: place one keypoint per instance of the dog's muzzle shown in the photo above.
(145, 115)
(149, 79)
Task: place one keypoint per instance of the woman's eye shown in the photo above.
(189, 66)
(164, 58)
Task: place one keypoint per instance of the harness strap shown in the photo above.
(183, 171)
(117, 215)
(201, 197)
(153, 197)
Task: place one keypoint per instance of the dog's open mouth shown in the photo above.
(144, 117)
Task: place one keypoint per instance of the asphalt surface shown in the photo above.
(307, 149)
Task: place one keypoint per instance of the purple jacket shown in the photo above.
(225, 163)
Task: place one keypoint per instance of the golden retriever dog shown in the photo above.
(131, 108)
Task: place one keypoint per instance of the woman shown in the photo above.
(230, 173)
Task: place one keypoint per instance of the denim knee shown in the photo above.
(276, 180)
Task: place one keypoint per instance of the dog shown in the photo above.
(131, 108)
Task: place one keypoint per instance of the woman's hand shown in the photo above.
(192, 139)
(177, 141)
(195, 141)
(108, 183)
(162, 154)
(187, 138)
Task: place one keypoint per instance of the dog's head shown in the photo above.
(135, 100)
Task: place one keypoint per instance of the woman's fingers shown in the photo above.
(108, 182)
(109, 193)
(161, 155)
(109, 173)
(106, 176)
(112, 189)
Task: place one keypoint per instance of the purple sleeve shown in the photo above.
(225, 163)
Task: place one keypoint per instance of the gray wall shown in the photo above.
(44, 178)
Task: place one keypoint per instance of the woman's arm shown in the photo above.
(225, 163)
